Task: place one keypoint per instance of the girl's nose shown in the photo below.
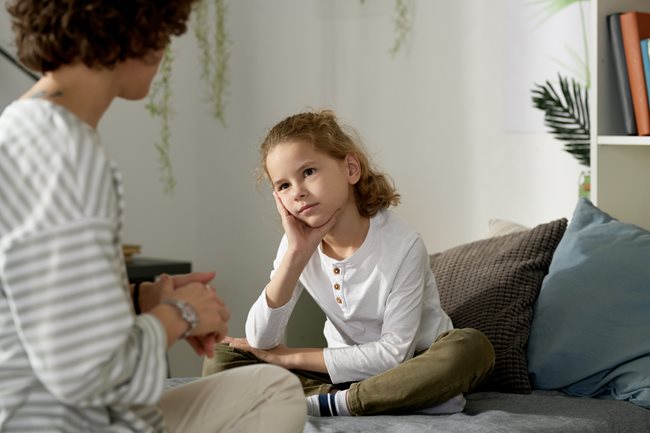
(300, 193)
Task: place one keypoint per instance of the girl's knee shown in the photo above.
(481, 342)
(473, 346)
(481, 349)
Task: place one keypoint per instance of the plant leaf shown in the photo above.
(567, 116)
(548, 8)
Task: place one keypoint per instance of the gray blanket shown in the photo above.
(539, 412)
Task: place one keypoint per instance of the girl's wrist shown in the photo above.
(297, 258)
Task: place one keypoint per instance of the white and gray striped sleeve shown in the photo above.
(75, 322)
(62, 276)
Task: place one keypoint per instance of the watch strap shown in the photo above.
(188, 313)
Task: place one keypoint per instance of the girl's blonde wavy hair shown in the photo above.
(374, 190)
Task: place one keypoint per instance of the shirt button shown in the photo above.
(337, 286)
(337, 271)
(339, 300)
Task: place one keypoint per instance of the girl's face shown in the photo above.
(311, 184)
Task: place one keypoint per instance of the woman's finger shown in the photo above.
(193, 277)
(197, 346)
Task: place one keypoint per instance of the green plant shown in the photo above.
(213, 53)
(159, 104)
(402, 24)
(567, 116)
(213, 58)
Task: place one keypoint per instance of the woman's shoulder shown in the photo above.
(50, 160)
(43, 128)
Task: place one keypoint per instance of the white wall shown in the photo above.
(431, 117)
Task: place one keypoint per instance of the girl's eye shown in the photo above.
(283, 186)
(309, 171)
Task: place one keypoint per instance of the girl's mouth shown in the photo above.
(306, 208)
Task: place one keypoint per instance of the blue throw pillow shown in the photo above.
(590, 334)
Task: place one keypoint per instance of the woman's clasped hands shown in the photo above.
(195, 290)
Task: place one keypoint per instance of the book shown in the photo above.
(618, 52)
(645, 56)
(635, 26)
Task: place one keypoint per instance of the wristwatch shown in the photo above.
(188, 313)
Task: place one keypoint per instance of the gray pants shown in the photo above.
(455, 363)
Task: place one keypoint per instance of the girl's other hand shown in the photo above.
(276, 356)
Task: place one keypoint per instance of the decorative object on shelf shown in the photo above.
(584, 184)
(130, 250)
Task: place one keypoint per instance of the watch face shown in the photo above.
(187, 313)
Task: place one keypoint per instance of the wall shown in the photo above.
(431, 117)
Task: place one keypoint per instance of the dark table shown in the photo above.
(141, 269)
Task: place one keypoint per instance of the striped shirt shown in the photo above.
(73, 357)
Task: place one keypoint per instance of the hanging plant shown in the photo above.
(402, 24)
(159, 104)
(213, 58)
(213, 53)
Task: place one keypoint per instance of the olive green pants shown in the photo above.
(455, 363)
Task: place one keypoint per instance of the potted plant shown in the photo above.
(566, 112)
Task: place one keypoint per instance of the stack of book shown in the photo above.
(129, 250)
(630, 38)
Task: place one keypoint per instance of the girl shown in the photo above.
(73, 356)
(390, 346)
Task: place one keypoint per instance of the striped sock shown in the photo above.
(328, 404)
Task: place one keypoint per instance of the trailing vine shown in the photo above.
(201, 33)
(213, 58)
(213, 54)
(159, 104)
(402, 25)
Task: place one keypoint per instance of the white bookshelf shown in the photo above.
(620, 164)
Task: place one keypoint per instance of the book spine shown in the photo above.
(645, 56)
(614, 24)
(632, 45)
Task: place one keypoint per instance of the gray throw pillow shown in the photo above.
(491, 285)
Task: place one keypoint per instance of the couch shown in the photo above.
(566, 307)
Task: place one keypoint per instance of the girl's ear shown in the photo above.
(354, 168)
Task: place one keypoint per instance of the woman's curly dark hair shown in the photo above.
(373, 192)
(99, 33)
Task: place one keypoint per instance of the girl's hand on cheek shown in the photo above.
(301, 237)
